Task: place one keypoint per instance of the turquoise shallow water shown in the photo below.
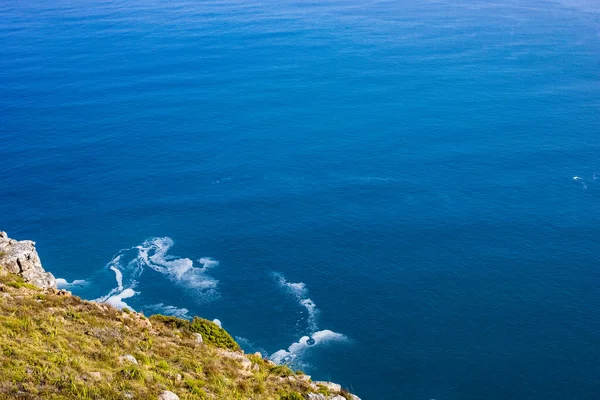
(410, 186)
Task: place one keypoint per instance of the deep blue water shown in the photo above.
(410, 163)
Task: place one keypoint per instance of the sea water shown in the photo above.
(399, 196)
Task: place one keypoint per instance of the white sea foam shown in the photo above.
(299, 348)
(293, 355)
(117, 299)
(249, 346)
(118, 277)
(580, 180)
(300, 292)
(164, 309)
(64, 284)
(129, 264)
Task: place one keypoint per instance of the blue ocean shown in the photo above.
(399, 196)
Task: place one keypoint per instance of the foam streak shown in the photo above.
(129, 264)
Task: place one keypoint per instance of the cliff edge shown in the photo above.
(57, 346)
(21, 258)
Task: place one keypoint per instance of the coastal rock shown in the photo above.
(332, 387)
(316, 396)
(353, 396)
(21, 258)
(337, 397)
(168, 395)
(199, 339)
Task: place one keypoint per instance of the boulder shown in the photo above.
(337, 397)
(332, 387)
(168, 395)
(316, 396)
(199, 339)
(128, 358)
(21, 258)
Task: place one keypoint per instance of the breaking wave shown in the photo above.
(299, 348)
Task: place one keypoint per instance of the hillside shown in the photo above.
(57, 346)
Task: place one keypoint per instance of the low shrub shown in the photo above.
(213, 334)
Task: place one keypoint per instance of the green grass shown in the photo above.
(61, 347)
(17, 282)
(292, 396)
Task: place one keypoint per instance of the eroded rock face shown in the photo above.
(21, 258)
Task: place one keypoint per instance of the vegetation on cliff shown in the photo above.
(57, 346)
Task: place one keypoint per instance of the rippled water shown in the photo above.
(397, 196)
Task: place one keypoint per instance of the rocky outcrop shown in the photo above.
(330, 386)
(21, 258)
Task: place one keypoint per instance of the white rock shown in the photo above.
(167, 395)
(337, 397)
(198, 338)
(128, 358)
(332, 387)
(316, 396)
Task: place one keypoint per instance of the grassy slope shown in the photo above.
(56, 346)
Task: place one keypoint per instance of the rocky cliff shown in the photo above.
(54, 345)
(21, 258)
